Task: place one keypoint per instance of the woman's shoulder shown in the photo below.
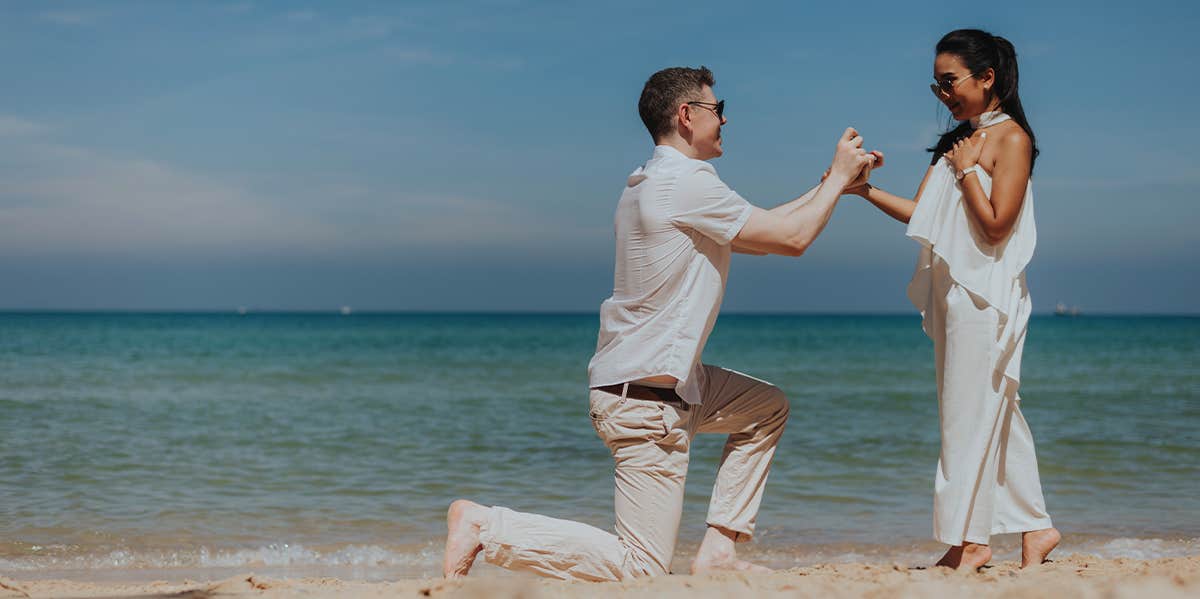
(1010, 137)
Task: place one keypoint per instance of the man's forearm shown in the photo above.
(784, 209)
(809, 217)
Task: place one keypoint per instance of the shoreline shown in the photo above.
(369, 561)
(1074, 575)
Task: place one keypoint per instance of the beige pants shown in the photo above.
(649, 441)
(987, 476)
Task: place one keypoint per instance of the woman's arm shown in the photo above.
(996, 215)
(891, 204)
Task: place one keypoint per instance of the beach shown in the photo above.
(1072, 576)
(159, 446)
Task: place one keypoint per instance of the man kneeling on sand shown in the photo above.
(676, 224)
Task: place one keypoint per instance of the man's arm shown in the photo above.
(791, 228)
(744, 247)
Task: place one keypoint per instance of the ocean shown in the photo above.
(147, 444)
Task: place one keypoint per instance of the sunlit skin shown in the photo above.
(787, 229)
(1005, 152)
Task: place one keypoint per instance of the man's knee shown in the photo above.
(778, 402)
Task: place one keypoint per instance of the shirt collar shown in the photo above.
(662, 151)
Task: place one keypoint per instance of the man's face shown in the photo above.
(706, 125)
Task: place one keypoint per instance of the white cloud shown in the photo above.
(301, 15)
(68, 17)
(14, 126)
(57, 199)
(239, 7)
(418, 56)
(61, 198)
(368, 28)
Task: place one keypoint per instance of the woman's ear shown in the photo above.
(987, 78)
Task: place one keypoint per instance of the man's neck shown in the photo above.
(677, 142)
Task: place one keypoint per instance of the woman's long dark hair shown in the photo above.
(980, 50)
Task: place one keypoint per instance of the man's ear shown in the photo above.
(683, 118)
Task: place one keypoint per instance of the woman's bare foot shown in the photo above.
(968, 557)
(463, 520)
(974, 556)
(1037, 544)
(952, 557)
(717, 553)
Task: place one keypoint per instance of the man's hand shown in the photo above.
(859, 185)
(849, 158)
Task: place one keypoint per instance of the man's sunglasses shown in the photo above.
(718, 108)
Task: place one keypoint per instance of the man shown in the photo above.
(676, 224)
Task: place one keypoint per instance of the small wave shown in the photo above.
(426, 557)
(274, 555)
(1144, 548)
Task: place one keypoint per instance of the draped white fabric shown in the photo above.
(995, 274)
(975, 307)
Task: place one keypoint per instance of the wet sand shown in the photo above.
(1072, 576)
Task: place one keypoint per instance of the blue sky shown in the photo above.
(468, 156)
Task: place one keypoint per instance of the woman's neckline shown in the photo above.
(988, 119)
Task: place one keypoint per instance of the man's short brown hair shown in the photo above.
(665, 91)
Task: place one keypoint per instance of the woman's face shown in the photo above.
(966, 96)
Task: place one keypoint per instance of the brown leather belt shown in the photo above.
(667, 396)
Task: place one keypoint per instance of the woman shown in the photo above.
(973, 216)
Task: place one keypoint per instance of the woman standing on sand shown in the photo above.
(973, 216)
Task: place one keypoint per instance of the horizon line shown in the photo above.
(347, 312)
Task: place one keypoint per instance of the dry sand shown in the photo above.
(1074, 576)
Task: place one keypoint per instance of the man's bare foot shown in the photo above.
(463, 520)
(968, 557)
(1037, 544)
(717, 553)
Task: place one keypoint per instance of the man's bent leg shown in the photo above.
(754, 414)
(554, 548)
(649, 442)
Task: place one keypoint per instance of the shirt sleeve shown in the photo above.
(704, 203)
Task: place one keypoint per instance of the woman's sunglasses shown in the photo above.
(944, 87)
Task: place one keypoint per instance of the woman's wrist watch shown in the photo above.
(961, 174)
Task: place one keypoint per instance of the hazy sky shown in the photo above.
(455, 156)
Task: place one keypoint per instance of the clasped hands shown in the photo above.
(852, 163)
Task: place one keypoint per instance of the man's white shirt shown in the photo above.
(674, 225)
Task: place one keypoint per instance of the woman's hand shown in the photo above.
(966, 151)
(859, 185)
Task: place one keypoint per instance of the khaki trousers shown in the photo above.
(649, 441)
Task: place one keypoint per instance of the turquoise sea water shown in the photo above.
(139, 442)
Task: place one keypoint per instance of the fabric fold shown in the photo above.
(994, 274)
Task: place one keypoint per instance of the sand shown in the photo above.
(1073, 576)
